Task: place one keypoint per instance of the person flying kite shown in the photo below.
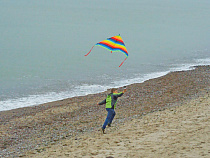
(113, 44)
(110, 102)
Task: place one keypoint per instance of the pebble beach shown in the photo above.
(163, 117)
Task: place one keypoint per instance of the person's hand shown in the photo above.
(97, 104)
(124, 90)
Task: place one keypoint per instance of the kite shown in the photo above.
(113, 44)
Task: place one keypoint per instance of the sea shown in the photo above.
(43, 43)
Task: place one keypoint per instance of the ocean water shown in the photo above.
(43, 43)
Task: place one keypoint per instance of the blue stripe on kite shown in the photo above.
(112, 49)
(106, 46)
(117, 42)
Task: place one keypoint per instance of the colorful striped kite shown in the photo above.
(113, 44)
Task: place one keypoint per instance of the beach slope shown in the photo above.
(182, 131)
(165, 116)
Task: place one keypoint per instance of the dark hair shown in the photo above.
(113, 89)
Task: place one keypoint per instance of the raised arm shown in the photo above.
(119, 94)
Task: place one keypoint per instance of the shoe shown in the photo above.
(109, 124)
(103, 130)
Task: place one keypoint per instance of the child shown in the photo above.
(110, 102)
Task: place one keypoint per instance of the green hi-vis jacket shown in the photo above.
(111, 100)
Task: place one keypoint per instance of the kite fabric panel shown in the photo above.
(113, 44)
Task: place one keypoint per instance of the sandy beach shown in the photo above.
(163, 117)
(182, 131)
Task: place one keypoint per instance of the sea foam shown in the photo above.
(86, 89)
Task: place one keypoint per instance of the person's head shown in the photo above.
(113, 90)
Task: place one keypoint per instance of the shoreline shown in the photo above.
(30, 128)
(59, 96)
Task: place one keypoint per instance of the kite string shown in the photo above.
(123, 62)
(89, 51)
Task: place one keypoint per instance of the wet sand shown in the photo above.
(143, 125)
